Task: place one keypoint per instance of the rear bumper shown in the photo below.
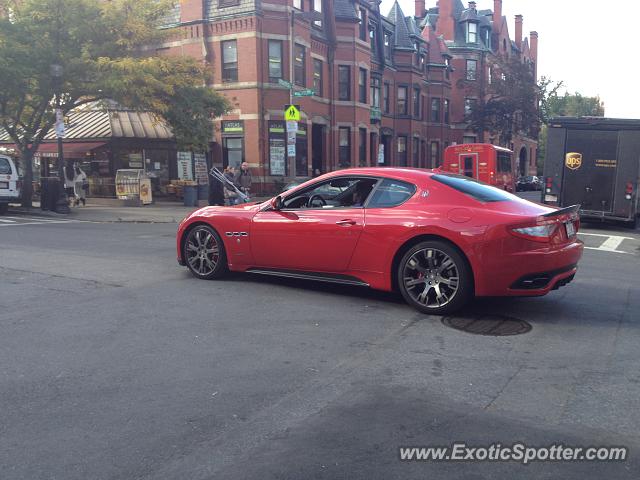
(531, 273)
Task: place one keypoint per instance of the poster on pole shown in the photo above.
(200, 167)
(381, 153)
(185, 166)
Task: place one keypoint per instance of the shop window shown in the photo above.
(233, 151)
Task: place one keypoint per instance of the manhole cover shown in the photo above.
(494, 325)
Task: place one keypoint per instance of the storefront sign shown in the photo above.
(135, 160)
(200, 167)
(233, 126)
(185, 166)
(145, 191)
(277, 158)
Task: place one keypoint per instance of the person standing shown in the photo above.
(216, 192)
(243, 178)
(229, 193)
(80, 186)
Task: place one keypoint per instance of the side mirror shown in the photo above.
(277, 203)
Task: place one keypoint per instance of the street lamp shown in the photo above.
(62, 204)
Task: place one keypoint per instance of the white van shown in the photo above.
(10, 183)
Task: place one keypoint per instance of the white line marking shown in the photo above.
(37, 223)
(612, 243)
(601, 235)
(7, 221)
(595, 248)
(43, 219)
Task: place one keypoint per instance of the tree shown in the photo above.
(98, 48)
(513, 104)
(574, 105)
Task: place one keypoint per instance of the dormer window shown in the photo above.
(472, 32)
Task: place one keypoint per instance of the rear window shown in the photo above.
(5, 167)
(475, 189)
(391, 193)
(504, 162)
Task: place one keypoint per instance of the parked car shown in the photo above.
(528, 183)
(438, 238)
(10, 183)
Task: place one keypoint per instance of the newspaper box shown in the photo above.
(133, 186)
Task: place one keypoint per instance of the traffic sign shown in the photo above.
(291, 150)
(284, 83)
(304, 93)
(292, 126)
(291, 136)
(292, 113)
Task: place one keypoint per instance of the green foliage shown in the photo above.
(574, 105)
(511, 105)
(99, 45)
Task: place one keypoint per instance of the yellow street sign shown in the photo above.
(292, 113)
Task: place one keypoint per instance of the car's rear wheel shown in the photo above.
(204, 253)
(433, 277)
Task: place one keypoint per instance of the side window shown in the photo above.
(5, 167)
(391, 193)
(336, 193)
(504, 162)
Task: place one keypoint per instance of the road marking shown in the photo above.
(2, 220)
(20, 221)
(611, 243)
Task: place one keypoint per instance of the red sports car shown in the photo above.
(438, 238)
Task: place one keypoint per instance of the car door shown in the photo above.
(317, 238)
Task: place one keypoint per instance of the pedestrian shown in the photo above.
(229, 192)
(69, 182)
(216, 192)
(243, 178)
(80, 186)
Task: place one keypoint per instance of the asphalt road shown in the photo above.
(116, 364)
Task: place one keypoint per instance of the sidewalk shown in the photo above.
(161, 212)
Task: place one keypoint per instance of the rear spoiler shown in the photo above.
(562, 211)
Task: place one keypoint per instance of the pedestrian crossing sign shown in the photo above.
(292, 113)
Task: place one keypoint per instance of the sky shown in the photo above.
(585, 44)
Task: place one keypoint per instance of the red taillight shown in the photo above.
(537, 233)
(629, 188)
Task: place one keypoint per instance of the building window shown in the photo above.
(297, 4)
(387, 99)
(344, 82)
(402, 101)
(435, 110)
(232, 151)
(469, 139)
(317, 76)
(402, 151)
(362, 86)
(416, 152)
(472, 32)
(375, 92)
(472, 67)
(416, 102)
(362, 16)
(446, 111)
(299, 61)
(317, 7)
(372, 40)
(387, 46)
(229, 61)
(344, 142)
(435, 154)
(228, 3)
(362, 147)
(469, 106)
(275, 60)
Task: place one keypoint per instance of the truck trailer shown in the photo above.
(594, 162)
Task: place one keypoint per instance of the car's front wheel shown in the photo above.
(203, 252)
(434, 278)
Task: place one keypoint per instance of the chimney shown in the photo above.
(519, 31)
(497, 13)
(472, 5)
(420, 8)
(533, 51)
(445, 25)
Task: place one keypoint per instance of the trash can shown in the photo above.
(190, 195)
(203, 191)
(49, 193)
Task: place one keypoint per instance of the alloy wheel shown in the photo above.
(202, 251)
(431, 278)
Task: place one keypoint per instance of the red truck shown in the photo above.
(483, 161)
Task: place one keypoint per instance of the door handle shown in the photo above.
(346, 222)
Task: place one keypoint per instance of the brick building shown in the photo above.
(384, 86)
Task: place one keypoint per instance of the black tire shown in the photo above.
(444, 273)
(4, 208)
(204, 253)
